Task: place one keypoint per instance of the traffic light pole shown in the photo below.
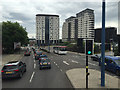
(87, 72)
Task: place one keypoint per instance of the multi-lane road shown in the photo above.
(49, 78)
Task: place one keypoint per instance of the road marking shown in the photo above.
(74, 61)
(65, 62)
(92, 64)
(34, 61)
(56, 64)
(61, 70)
(34, 65)
(32, 76)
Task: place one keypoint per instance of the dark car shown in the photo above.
(13, 69)
(45, 63)
(112, 64)
(37, 55)
(27, 53)
(95, 57)
(42, 57)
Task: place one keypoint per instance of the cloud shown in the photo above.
(24, 11)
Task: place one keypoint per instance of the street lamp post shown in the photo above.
(103, 45)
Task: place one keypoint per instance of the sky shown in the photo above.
(24, 11)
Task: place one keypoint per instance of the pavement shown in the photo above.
(77, 77)
(11, 57)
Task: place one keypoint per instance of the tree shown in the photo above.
(12, 32)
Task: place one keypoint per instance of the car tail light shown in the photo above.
(44, 59)
(16, 70)
(49, 63)
(35, 54)
(2, 71)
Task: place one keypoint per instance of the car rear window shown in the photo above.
(10, 67)
(46, 60)
(38, 53)
(43, 56)
(117, 61)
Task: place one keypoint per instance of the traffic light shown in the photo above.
(89, 47)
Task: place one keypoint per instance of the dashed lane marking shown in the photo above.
(74, 61)
(92, 64)
(65, 62)
(61, 70)
(32, 77)
(34, 65)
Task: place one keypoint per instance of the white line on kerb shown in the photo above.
(65, 62)
(32, 76)
(34, 65)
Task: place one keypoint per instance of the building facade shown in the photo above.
(47, 29)
(81, 26)
(86, 23)
(69, 29)
(110, 34)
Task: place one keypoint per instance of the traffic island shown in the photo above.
(77, 78)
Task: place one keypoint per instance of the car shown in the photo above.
(44, 63)
(37, 55)
(112, 64)
(42, 57)
(13, 69)
(27, 53)
(95, 57)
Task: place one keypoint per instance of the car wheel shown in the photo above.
(40, 68)
(20, 75)
(118, 72)
(25, 70)
(50, 67)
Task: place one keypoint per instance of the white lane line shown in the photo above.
(92, 64)
(32, 76)
(65, 62)
(34, 65)
(61, 70)
(56, 64)
(74, 61)
(34, 61)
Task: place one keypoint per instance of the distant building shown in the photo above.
(110, 34)
(47, 29)
(81, 26)
(86, 23)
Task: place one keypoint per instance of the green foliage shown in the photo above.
(12, 32)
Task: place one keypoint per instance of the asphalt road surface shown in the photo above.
(50, 78)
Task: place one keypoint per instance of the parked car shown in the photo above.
(13, 69)
(37, 55)
(45, 63)
(112, 64)
(95, 57)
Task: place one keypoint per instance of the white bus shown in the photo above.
(60, 49)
